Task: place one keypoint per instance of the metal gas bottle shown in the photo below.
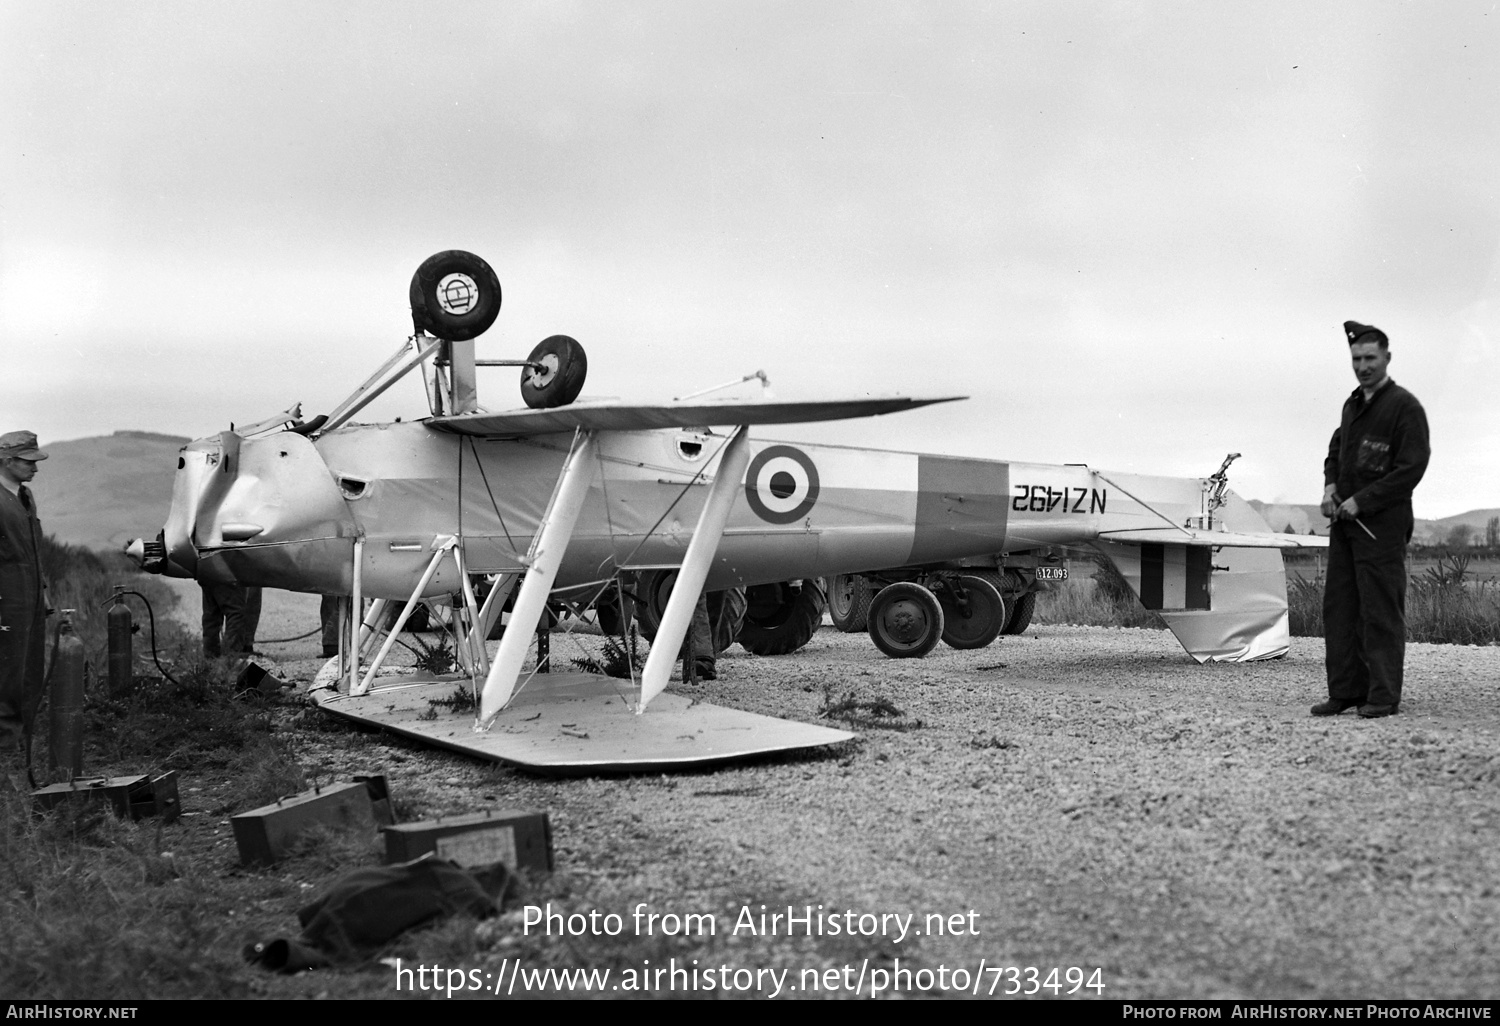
(65, 701)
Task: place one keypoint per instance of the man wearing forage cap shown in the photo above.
(23, 613)
(1375, 459)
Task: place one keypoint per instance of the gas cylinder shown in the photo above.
(65, 701)
(121, 664)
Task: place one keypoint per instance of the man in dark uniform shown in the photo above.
(1376, 457)
(23, 611)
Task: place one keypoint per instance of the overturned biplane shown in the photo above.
(485, 511)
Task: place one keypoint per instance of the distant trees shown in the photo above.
(1492, 533)
(1460, 535)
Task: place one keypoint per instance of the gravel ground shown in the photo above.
(1094, 797)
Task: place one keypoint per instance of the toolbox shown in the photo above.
(135, 796)
(518, 839)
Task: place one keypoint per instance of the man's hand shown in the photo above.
(1330, 505)
(1349, 510)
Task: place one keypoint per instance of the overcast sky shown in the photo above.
(1130, 232)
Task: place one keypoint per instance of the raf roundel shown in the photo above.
(781, 484)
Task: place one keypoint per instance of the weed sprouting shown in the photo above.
(879, 712)
(615, 660)
(435, 657)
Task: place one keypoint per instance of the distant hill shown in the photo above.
(1299, 519)
(101, 492)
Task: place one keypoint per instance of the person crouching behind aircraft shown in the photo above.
(1375, 459)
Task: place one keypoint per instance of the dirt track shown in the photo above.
(1092, 795)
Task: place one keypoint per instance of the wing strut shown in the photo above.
(695, 566)
(543, 561)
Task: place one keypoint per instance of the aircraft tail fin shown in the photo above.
(1223, 603)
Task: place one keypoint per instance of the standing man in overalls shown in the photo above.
(1376, 457)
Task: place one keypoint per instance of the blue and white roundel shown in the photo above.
(781, 484)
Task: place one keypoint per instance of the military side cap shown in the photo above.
(1358, 332)
(20, 445)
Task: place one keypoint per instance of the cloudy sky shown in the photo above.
(1130, 232)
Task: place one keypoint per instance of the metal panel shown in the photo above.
(962, 507)
(579, 723)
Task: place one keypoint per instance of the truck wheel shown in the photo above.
(976, 621)
(906, 620)
(726, 615)
(454, 295)
(849, 602)
(1022, 603)
(726, 609)
(652, 589)
(781, 618)
(1020, 614)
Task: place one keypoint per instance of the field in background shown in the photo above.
(1451, 599)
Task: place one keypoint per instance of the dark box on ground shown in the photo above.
(266, 834)
(135, 796)
(518, 839)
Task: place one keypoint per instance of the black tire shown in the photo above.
(726, 615)
(849, 602)
(781, 618)
(1020, 614)
(1019, 603)
(561, 380)
(652, 589)
(454, 295)
(726, 609)
(906, 620)
(607, 612)
(977, 621)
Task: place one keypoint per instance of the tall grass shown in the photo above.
(83, 580)
(92, 906)
(1444, 605)
(1103, 599)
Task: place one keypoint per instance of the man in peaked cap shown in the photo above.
(23, 612)
(1375, 459)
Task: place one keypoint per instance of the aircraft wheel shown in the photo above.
(906, 620)
(978, 624)
(561, 379)
(781, 618)
(849, 602)
(454, 295)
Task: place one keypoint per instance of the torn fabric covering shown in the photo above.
(1246, 618)
(367, 908)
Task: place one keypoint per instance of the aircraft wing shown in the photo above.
(1237, 539)
(615, 416)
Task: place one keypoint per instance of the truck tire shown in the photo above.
(906, 620)
(977, 621)
(849, 602)
(781, 618)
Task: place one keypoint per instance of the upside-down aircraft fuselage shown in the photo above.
(564, 496)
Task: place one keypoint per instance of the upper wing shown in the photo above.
(1237, 539)
(614, 416)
